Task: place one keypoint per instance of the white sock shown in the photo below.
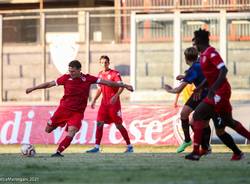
(97, 146)
(129, 146)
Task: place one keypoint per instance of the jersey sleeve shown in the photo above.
(216, 60)
(117, 77)
(190, 76)
(99, 77)
(61, 80)
(92, 79)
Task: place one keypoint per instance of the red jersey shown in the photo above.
(76, 91)
(211, 63)
(107, 91)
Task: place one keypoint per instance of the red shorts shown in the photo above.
(64, 117)
(221, 102)
(110, 114)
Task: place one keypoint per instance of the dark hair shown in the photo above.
(201, 36)
(104, 57)
(75, 64)
(191, 54)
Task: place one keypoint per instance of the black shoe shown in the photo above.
(57, 154)
(192, 156)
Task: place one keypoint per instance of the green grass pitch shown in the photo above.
(150, 165)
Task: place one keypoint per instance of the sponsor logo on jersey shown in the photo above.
(217, 99)
(83, 79)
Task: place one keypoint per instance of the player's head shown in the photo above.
(75, 68)
(201, 39)
(191, 55)
(104, 61)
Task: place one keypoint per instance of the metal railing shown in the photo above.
(113, 24)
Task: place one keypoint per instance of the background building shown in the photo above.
(37, 36)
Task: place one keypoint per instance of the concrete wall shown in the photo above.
(23, 67)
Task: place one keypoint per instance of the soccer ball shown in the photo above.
(28, 150)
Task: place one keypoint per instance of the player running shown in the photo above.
(72, 105)
(217, 100)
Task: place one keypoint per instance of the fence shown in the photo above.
(36, 44)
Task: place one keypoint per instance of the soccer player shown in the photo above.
(192, 76)
(110, 108)
(217, 100)
(72, 105)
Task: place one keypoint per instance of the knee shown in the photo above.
(184, 115)
(49, 129)
(72, 133)
(196, 116)
(100, 124)
(119, 126)
(220, 132)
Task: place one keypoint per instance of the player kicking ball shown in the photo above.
(74, 101)
(110, 108)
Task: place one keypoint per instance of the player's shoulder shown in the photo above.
(197, 65)
(65, 76)
(212, 52)
(115, 72)
(88, 75)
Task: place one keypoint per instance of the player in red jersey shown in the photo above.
(110, 108)
(72, 105)
(217, 100)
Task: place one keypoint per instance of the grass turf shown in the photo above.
(142, 167)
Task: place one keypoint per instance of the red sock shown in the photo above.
(124, 134)
(64, 144)
(198, 129)
(242, 130)
(98, 134)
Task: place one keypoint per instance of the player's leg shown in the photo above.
(74, 123)
(115, 115)
(57, 120)
(229, 142)
(201, 114)
(227, 120)
(98, 138)
(189, 106)
(72, 130)
(226, 138)
(102, 118)
(185, 112)
(49, 128)
(236, 125)
(226, 114)
(125, 136)
(205, 141)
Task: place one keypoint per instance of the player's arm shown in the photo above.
(180, 77)
(115, 84)
(220, 79)
(200, 86)
(97, 95)
(41, 86)
(176, 90)
(116, 96)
